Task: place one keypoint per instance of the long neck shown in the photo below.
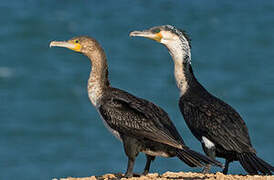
(183, 76)
(98, 79)
(180, 53)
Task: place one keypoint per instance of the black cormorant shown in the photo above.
(139, 124)
(219, 128)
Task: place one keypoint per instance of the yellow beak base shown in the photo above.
(70, 45)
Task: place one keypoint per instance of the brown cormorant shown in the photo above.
(139, 124)
(219, 128)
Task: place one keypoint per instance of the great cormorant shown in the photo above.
(139, 124)
(219, 128)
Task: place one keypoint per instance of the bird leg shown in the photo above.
(225, 170)
(149, 159)
(130, 166)
(132, 149)
(210, 152)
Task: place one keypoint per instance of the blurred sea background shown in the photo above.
(49, 128)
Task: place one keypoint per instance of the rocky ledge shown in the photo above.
(175, 176)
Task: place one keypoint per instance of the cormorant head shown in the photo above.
(166, 34)
(82, 44)
(176, 41)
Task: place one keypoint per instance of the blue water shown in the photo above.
(48, 126)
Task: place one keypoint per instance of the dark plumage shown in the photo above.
(212, 118)
(139, 124)
(219, 128)
(147, 125)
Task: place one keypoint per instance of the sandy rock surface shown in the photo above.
(176, 176)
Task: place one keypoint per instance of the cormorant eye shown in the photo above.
(76, 41)
(157, 30)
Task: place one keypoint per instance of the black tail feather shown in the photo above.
(259, 165)
(265, 164)
(194, 159)
(188, 158)
(255, 165)
(246, 165)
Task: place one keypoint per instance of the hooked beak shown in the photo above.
(62, 44)
(69, 45)
(147, 34)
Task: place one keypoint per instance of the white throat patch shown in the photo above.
(179, 50)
